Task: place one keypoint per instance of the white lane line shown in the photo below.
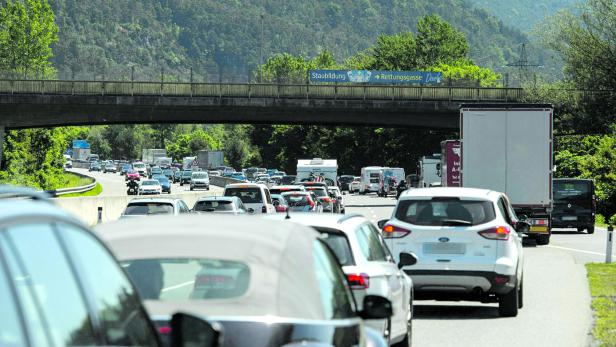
(178, 286)
(577, 250)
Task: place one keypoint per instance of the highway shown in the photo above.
(557, 301)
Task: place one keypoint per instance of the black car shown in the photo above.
(267, 283)
(287, 180)
(344, 182)
(185, 177)
(72, 294)
(574, 204)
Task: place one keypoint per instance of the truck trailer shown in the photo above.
(508, 148)
(208, 160)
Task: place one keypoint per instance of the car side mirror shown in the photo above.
(382, 223)
(407, 259)
(251, 210)
(522, 226)
(188, 330)
(276, 203)
(376, 307)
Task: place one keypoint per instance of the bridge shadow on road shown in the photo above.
(454, 312)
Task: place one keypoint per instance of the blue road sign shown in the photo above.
(375, 76)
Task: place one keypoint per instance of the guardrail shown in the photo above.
(71, 190)
(249, 90)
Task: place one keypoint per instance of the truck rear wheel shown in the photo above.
(590, 229)
(543, 239)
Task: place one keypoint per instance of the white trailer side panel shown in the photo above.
(508, 151)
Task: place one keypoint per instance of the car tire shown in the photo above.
(181, 184)
(590, 229)
(408, 338)
(191, 189)
(543, 239)
(580, 230)
(508, 303)
(521, 295)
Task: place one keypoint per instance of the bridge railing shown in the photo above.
(231, 90)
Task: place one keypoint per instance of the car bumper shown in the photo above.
(149, 192)
(199, 185)
(432, 284)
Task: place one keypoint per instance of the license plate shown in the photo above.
(444, 248)
(569, 217)
(539, 229)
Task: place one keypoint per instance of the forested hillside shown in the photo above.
(523, 14)
(223, 38)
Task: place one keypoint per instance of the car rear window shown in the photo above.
(571, 190)
(320, 192)
(247, 195)
(178, 279)
(210, 206)
(148, 208)
(448, 212)
(339, 244)
(296, 199)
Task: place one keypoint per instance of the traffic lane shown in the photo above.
(556, 304)
(585, 248)
(115, 184)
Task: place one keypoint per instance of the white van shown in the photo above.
(254, 196)
(370, 179)
(140, 168)
(429, 171)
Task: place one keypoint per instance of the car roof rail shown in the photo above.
(348, 216)
(9, 191)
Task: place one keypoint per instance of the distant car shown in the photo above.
(125, 168)
(164, 183)
(370, 268)
(185, 177)
(43, 296)
(344, 182)
(149, 186)
(155, 171)
(110, 167)
(132, 175)
(177, 176)
(200, 180)
(279, 203)
(355, 184)
(335, 191)
(155, 206)
(301, 202)
(214, 173)
(267, 283)
(286, 180)
(95, 166)
(238, 176)
(323, 196)
(68, 163)
(220, 204)
(140, 168)
(468, 242)
(168, 173)
(253, 195)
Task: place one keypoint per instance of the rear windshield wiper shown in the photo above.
(455, 222)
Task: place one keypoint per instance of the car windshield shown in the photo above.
(374, 177)
(148, 208)
(320, 192)
(139, 166)
(445, 212)
(157, 170)
(162, 179)
(571, 190)
(168, 172)
(339, 244)
(296, 199)
(199, 175)
(150, 183)
(211, 206)
(180, 279)
(346, 179)
(186, 173)
(247, 195)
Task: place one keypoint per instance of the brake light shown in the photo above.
(164, 330)
(326, 199)
(497, 233)
(359, 281)
(540, 221)
(394, 232)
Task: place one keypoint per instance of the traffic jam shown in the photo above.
(276, 259)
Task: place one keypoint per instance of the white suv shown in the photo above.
(255, 196)
(466, 244)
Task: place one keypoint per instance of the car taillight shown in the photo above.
(359, 281)
(165, 330)
(326, 199)
(540, 222)
(394, 232)
(496, 233)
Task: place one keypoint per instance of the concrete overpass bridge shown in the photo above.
(47, 103)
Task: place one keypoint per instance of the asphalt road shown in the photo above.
(114, 184)
(556, 297)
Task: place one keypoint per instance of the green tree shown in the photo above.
(438, 42)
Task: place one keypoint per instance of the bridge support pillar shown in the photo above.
(2, 131)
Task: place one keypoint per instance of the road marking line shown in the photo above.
(577, 250)
(178, 286)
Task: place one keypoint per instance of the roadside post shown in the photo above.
(610, 242)
(99, 219)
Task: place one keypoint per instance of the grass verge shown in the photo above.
(602, 280)
(93, 192)
(76, 180)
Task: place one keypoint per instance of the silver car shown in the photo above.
(370, 268)
(221, 204)
(154, 206)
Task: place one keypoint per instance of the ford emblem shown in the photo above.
(569, 205)
(444, 239)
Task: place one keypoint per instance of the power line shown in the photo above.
(522, 64)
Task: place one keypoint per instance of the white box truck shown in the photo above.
(149, 155)
(428, 169)
(370, 179)
(508, 148)
(317, 170)
(208, 160)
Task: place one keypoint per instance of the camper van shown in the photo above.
(370, 179)
(317, 170)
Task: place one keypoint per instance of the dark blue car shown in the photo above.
(164, 183)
